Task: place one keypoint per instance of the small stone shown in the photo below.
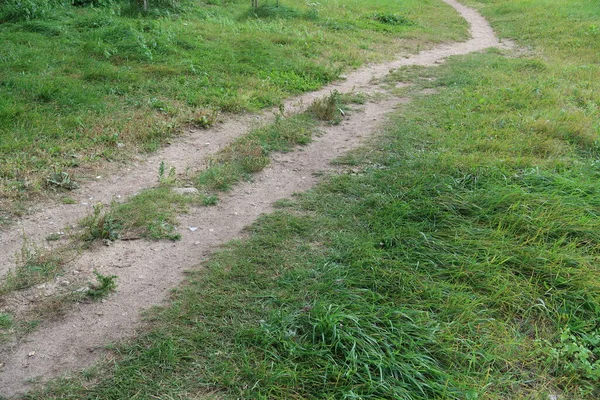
(31, 354)
(185, 190)
(193, 228)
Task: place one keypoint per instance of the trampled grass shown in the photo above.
(458, 260)
(86, 83)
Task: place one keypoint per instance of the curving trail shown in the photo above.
(148, 270)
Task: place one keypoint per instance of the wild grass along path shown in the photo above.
(148, 270)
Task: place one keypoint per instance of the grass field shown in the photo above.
(99, 80)
(460, 261)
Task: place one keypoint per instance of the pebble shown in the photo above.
(185, 190)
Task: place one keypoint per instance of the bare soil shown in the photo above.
(147, 270)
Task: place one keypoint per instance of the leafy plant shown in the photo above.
(577, 355)
(103, 287)
(166, 178)
(61, 179)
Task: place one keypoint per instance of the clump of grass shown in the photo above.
(392, 19)
(6, 324)
(361, 351)
(329, 108)
(150, 214)
(99, 225)
(279, 11)
(204, 118)
(33, 266)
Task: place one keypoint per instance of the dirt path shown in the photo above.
(148, 270)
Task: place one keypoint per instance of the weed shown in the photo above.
(6, 321)
(576, 355)
(328, 108)
(68, 200)
(61, 179)
(6, 324)
(210, 200)
(103, 287)
(54, 236)
(100, 225)
(166, 178)
(392, 19)
(34, 266)
(204, 118)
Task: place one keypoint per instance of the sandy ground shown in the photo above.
(148, 270)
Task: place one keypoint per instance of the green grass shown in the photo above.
(458, 260)
(33, 266)
(6, 324)
(83, 85)
(150, 214)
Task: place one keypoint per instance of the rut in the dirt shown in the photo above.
(148, 270)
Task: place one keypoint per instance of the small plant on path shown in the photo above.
(105, 285)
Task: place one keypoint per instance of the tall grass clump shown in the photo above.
(33, 266)
(150, 214)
